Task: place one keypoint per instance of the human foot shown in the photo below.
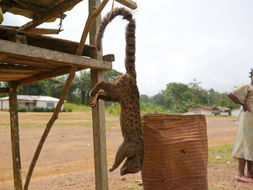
(244, 179)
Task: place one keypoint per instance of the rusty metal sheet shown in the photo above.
(176, 152)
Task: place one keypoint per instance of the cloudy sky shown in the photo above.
(177, 41)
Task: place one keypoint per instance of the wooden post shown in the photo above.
(98, 115)
(15, 136)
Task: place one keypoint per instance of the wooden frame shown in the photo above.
(129, 3)
(24, 62)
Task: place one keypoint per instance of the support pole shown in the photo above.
(98, 115)
(49, 126)
(15, 136)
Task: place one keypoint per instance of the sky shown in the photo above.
(210, 41)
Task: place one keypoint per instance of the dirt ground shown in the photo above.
(66, 161)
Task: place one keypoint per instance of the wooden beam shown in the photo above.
(98, 115)
(18, 75)
(54, 12)
(35, 30)
(48, 42)
(4, 90)
(49, 56)
(21, 69)
(92, 16)
(15, 136)
(41, 65)
(130, 4)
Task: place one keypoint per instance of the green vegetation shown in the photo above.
(220, 154)
(22, 109)
(175, 98)
(75, 107)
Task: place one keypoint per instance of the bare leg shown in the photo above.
(249, 169)
(120, 156)
(242, 163)
(131, 165)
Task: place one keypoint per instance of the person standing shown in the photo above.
(243, 147)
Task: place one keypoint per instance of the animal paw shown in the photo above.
(93, 103)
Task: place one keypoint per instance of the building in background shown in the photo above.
(29, 102)
(209, 110)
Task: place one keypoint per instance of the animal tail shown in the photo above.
(130, 36)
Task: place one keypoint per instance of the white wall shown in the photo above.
(4, 104)
(205, 112)
(41, 104)
(235, 112)
(44, 104)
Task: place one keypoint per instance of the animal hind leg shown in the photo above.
(120, 156)
(131, 165)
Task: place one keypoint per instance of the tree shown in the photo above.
(177, 97)
(111, 75)
(84, 87)
(158, 99)
(37, 88)
(144, 98)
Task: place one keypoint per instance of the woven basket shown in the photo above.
(176, 152)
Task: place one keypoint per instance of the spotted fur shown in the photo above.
(125, 91)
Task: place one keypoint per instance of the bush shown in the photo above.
(38, 109)
(41, 109)
(66, 110)
(22, 109)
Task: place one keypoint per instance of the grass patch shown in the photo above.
(76, 107)
(134, 187)
(114, 109)
(32, 125)
(220, 154)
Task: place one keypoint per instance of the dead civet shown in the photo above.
(125, 91)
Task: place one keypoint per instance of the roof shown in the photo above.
(208, 108)
(34, 98)
(223, 109)
(36, 9)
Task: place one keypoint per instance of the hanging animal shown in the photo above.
(125, 91)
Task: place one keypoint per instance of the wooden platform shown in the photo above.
(27, 64)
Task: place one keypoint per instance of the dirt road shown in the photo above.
(66, 161)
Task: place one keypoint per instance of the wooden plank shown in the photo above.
(48, 42)
(32, 63)
(15, 136)
(54, 12)
(19, 68)
(18, 75)
(50, 56)
(4, 90)
(109, 58)
(130, 4)
(98, 115)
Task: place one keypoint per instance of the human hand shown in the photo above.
(245, 107)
